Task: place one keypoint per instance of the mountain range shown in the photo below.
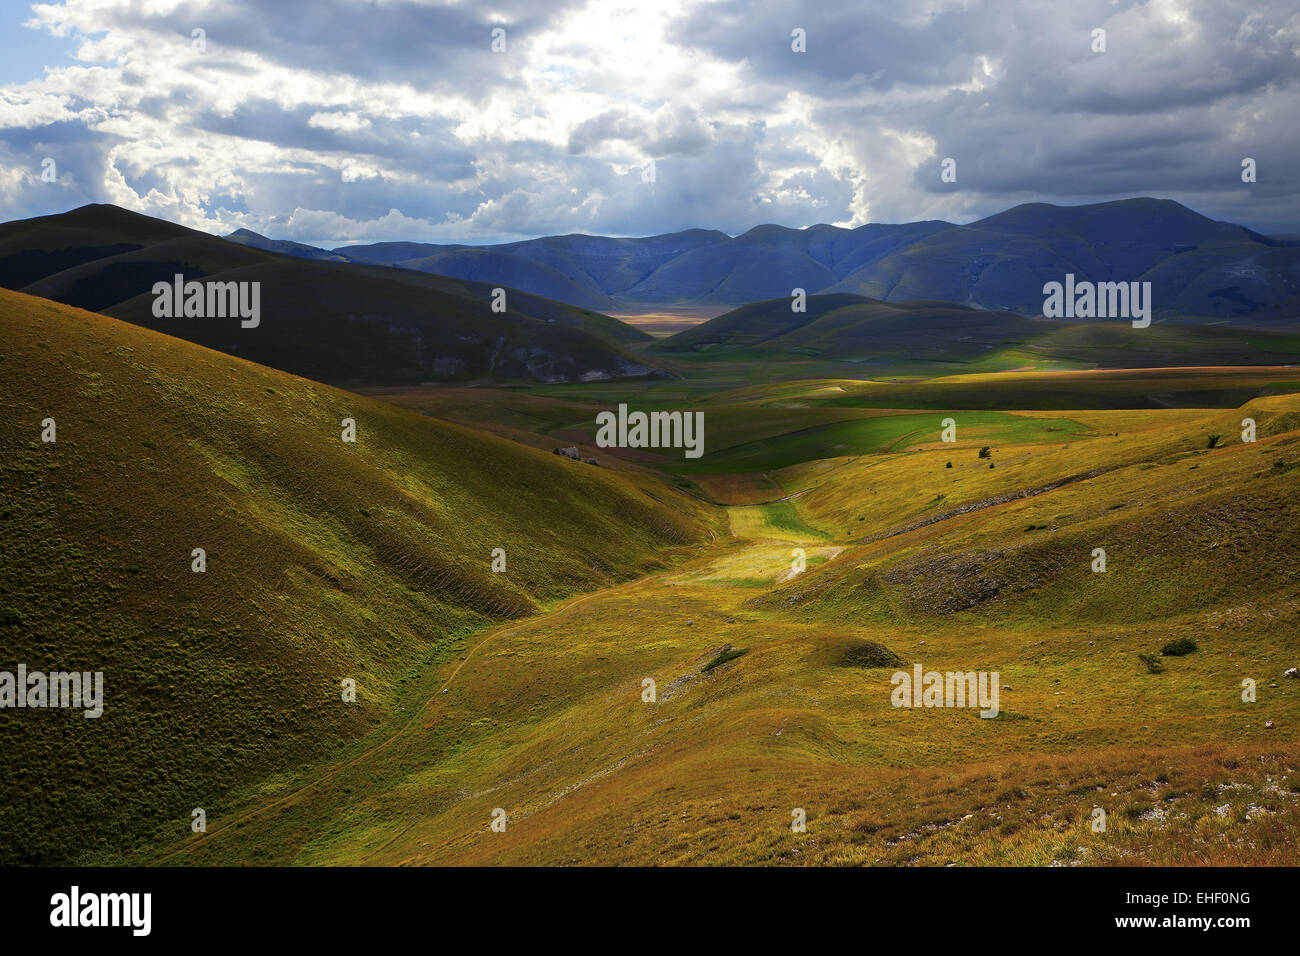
(1199, 268)
(923, 292)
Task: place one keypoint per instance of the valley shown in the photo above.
(711, 771)
(827, 538)
(350, 606)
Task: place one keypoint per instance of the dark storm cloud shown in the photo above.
(847, 44)
(418, 44)
(1181, 95)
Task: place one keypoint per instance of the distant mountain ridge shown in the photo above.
(247, 237)
(1199, 268)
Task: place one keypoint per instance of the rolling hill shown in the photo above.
(851, 326)
(523, 692)
(911, 334)
(325, 560)
(246, 237)
(592, 271)
(696, 266)
(332, 321)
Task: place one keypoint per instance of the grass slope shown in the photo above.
(850, 328)
(325, 560)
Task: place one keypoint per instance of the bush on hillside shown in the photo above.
(1152, 662)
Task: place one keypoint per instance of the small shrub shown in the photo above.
(1152, 662)
(1214, 440)
(1179, 648)
(984, 452)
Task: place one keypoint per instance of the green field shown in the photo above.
(872, 435)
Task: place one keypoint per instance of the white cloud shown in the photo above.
(348, 122)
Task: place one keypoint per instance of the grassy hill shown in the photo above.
(523, 691)
(853, 328)
(1193, 528)
(331, 321)
(909, 335)
(325, 560)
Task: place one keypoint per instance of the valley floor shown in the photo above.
(544, 719)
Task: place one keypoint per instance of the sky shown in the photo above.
(340, 121)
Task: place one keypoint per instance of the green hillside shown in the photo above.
(910, 335)
(325, 560)
(851, 328)
(331, 321)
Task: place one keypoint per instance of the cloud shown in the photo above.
(334, 120)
